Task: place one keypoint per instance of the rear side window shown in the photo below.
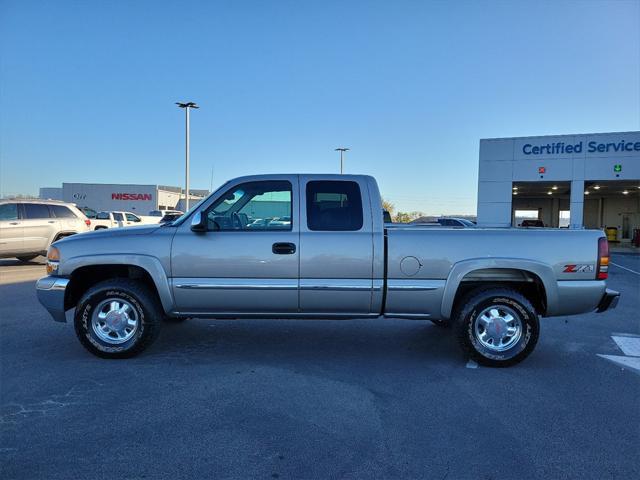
(35, 210)
(60, 211)
(102, 216)
(8, 211)
(334, 206)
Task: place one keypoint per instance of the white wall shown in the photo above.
(99, 196)
(50, 193)
(504, 161)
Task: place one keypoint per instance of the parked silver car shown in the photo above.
(28, 227)
(328, 255)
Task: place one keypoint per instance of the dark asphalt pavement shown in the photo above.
(315, 399)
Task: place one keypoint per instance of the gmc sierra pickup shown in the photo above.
(315, 246)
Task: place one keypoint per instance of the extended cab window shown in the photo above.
(8, 211)
(36, 210)
(253, 206)
(334, 206)
(60, 211)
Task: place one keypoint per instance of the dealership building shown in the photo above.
(575, 181)
(140, 199)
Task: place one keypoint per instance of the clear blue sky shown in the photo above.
(87, 88)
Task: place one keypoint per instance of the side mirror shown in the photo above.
(199, 222)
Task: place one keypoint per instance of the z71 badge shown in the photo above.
(578, 269)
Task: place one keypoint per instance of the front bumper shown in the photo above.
(50, 292)
(609, 300)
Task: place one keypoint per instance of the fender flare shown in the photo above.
(543, 271)
(148, 263)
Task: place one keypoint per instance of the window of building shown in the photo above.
(563, 218)
(253, 206)
(35, 210)
(334, 206)
(8, 211)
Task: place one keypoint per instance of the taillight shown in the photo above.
(602, 270)
(87, 222)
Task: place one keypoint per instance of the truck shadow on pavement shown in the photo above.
(345, 341)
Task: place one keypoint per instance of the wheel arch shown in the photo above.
(535, 280)
(84, 272)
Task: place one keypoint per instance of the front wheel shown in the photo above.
(497, 327)
(118, 318)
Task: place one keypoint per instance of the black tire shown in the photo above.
(147, 308)
(505, 301)
(26, 258)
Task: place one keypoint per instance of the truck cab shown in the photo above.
(293, 244)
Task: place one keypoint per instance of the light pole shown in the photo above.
(341, 150)
(187, 107)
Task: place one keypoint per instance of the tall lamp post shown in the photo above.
(341, 150)
(187, 107)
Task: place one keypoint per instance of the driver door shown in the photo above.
(247, 261)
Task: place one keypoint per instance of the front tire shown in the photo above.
(118, 318)
(497, 327)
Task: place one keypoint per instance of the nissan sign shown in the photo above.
(130, 196)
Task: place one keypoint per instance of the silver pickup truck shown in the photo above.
(315, 246)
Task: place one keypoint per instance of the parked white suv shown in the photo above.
(121, 219)
(28, 227)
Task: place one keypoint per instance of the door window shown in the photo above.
(60, 211)
(36, 210)
(253, 206)
(131, 217)
(334, 206)
(8, 211)
(118, 217)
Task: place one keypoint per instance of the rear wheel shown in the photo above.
(497, 327)
(118, 318)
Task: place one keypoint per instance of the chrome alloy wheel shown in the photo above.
(498, 328)
(115, 321)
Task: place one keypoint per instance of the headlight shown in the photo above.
(53, 260)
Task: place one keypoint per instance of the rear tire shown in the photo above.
(118, 318)
(26, 259)
(497, 327)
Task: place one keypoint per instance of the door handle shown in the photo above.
(283, 248)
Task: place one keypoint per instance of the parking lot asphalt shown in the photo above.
(316, 399)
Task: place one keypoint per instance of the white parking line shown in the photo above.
(630, 346)
(629, 362)
(625, 268)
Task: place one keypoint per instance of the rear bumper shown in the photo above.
(50, 292)
(609, 300)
